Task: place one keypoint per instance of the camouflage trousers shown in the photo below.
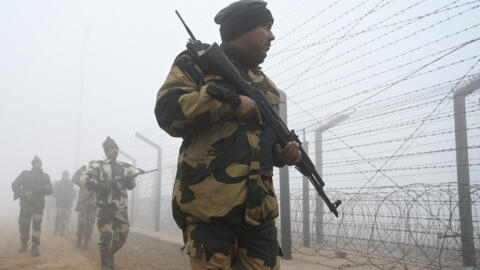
(61, 218)
(220, 246)
(113, 227)
(29, 216)
(86, 219)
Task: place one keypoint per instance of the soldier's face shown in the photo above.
(37, 165)
(112, 153)
(256, 41)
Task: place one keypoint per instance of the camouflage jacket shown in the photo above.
(35, 181)
(102, 177)
(218, 175)
(84, 199)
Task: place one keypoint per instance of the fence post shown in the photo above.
(306, 202)
(157, 183)
(319, 204)
(285, 222)
(463, 170)
(318, 201)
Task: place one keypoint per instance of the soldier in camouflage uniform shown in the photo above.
(223, 204)
(86, 211)
(110, 179)
(64, 193)
(31, 187)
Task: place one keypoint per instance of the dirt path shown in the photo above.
(139, 252)
(143, 250)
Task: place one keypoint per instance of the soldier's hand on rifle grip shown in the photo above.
(248, 109)
(289, 155)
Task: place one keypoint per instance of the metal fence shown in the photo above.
(412, 225)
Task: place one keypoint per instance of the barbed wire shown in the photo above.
(373, 28)
(388, 226)
(370, 42)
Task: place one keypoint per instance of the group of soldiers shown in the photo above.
(102, 196)
(223, 198)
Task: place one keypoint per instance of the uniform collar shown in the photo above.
(236, 55)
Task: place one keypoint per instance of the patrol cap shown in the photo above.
(108, 144)
(242, 16)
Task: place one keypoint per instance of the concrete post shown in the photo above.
(158, 183)
(132, 192)
(319, 204)
(306, 203)
(285, 221)
(463, 171)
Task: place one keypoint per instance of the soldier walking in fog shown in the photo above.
(64, 193)
(31, 187)
(110, 179)
(222, 200)
(86, 211)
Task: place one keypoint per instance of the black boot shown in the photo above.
(104, 259)
(34, 251)
(23, 248)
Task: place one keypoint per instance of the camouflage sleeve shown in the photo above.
(188, 101)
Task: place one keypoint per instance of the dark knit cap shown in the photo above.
(108, 144)
(242, 16)
(36, 159)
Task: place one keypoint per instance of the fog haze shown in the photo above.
(126, 49)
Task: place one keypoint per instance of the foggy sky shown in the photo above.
(130, 47)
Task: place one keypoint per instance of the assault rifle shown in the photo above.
(212, 58)
(140, 172)
(108, 184)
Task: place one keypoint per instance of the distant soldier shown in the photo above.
(64, 192)
(86, 211)
(110, 180)
(31, 187)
